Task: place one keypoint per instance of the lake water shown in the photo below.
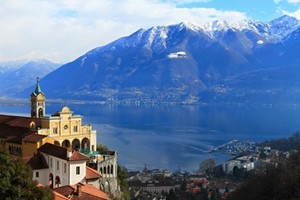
(177, 136)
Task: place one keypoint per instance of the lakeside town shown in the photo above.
(211, 181)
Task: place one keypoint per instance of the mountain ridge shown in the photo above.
(17, 75)
(176, 63)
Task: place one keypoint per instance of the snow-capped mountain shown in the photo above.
(15, 76)
(183, 63)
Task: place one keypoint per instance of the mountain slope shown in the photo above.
(15, 76)
(178, 63)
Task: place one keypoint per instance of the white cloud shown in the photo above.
(62, 30)
(295, 14)
(289, 1)
(180, 2)
(293, 1)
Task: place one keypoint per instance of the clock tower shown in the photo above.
(38, 105)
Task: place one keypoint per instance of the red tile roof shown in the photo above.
(92, 173)
(61, 152)
(77, 156)
(34, 137)
(58, 196)
(88, 192)
(15, 128)
(65, 190)
(38, 162)
(19, 121)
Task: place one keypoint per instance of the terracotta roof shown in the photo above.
(38, 162)
(19, 121)
(92, 173)
(61, 152)
(88, 192)
(58, 196)
(34, 137)
(77, 156)
(15, 128)
(65, 190)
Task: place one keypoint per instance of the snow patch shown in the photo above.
(259, 42)
(180, 54)
(82, 61)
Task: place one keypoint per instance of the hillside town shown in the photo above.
(61, 152)
(209, 181)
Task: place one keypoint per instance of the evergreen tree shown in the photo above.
(16, 181)
(274, 183)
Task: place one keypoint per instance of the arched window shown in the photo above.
(104, 170)
(76, 144)
(57, 181)
(66, 143)
(41, 113)
(112, 169)
(50, 180)
(32, 125)
(108, 169)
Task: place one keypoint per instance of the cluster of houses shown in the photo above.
(159, 184)
(217, 183)
(57, 149)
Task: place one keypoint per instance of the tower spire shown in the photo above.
(37, 87)
(38, 105)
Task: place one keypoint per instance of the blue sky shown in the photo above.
(62, 30)
(263, 10)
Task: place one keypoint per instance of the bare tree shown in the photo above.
(207, 165)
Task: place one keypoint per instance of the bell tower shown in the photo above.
(38, 104)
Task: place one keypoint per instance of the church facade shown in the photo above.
(21, 136)
(63, 126)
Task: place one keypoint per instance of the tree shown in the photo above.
(102, 147)
(122, 179)
(207, 165)
(16, 181)
(273, 183)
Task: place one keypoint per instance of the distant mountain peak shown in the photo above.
(190, 25)
(285, 19)
(284, 25)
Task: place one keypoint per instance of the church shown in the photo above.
(57, 148)
(22, 136)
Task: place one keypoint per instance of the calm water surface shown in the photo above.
(177, 136)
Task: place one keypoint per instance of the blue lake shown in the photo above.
(177, 136)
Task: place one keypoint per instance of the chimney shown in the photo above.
(69, 153)
(79, 189)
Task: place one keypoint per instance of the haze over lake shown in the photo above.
(177, 136)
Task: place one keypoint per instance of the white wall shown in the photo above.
(75, 178)
(43, 176)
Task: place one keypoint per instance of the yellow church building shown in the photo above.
(22, 136)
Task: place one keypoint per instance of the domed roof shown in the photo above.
(65, 109)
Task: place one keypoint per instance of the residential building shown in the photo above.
(245, 162)
(56, 166)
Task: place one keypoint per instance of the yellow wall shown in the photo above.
(30, 148)
(64, 125)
